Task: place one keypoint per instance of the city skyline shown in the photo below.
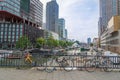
(81, 17)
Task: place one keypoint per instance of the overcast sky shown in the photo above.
(81, 17)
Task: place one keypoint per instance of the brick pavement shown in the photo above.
(32, 74)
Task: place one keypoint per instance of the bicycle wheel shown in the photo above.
(67, 65)
(90, 66)
(81, 64)
(50, 66)
(41, 63)
(41, 67)
(108, 66)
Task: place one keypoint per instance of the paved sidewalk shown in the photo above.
(32, 74)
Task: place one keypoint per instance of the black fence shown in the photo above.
(43, 60)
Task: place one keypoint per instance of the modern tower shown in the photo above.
(52, 13)
(36, 10)
(66, 34)
(89, 41)
(61, 28)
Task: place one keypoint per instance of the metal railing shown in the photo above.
(42, 60)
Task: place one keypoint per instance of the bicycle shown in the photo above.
(80, 61)
(41, 62)
(55, 61)
(101, 62)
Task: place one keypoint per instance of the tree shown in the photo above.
(55, 43)
(40, 42)
(23, 42)
(68, 43)
(63, 43)
(50, 42)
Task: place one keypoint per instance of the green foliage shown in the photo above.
(40, 42)
(50, 42)
(69, 43)
(65, 43)
(23, 42)
(55, 43)
(61, 43)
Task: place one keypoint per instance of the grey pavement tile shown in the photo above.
(13, 74)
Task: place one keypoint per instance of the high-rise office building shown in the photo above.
(52, 13)
(61, 28)
(89, 41)
(108, 8)
(36, 10)
(19, 18)
(66, 34)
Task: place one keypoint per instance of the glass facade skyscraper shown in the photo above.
(66, 34)
(36, 12)
(52, 13)
(19, 18)
(61, 28)
(12, 6)
(31, 10)
(89, 41)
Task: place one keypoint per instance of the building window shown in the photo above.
(1, 36)
(1, 28)
(9, 39)
(5, 33)
(13, 33)
(9, 33)
(13, 40)
(17, 30)
(13, 37)
(17, 33)
(1, 33)
(21, 26)
(0, 40)
(2, 25)
(9, 36)
(5, 39)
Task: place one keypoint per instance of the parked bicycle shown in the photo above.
(56, 62)
(101, 62)
(41, 62)
(79, 61)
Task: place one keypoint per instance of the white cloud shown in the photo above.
(81, 17)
